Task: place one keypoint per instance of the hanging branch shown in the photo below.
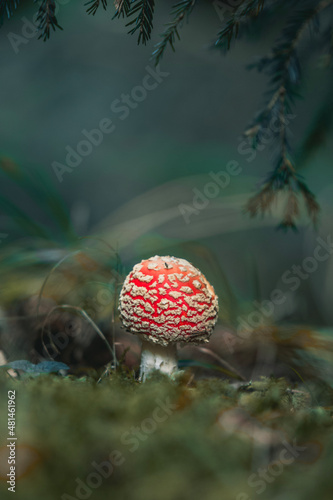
(143, 22)
(123, 8)
(180, 11)
(284, 68)
(7, 8)
(241, 14)
(95, 4)
(47, 18)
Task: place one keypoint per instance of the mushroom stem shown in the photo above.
(157, 357)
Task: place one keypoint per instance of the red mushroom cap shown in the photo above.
(168, 300)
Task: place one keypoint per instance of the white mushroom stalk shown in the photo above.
(157, 357)
(167, 300)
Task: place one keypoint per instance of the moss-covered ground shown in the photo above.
(180, 439)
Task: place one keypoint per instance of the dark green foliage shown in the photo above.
(284, 68)
(47, 18)
(246, 10)
(143, 13)
(94, 6)
(123, 8)
(7, 8)
(180, 11)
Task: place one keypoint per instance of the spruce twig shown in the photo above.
(95, 4)
(123, 8)
(143, 10)
(47, 18)
(7, 8)
(241, 14)
(180, 11)
(284, 67)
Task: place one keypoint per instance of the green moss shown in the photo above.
(169, 439)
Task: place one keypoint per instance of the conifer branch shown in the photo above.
(143, 22)
(123, 8)
(7, 8)
(47, 18)
(242, 13)
(95, 4)
(180, 11)
(284, 67)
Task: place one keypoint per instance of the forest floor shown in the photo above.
(186, 438)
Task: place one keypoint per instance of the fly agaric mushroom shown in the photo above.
(167, 300)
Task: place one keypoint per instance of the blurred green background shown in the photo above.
(128, 190)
